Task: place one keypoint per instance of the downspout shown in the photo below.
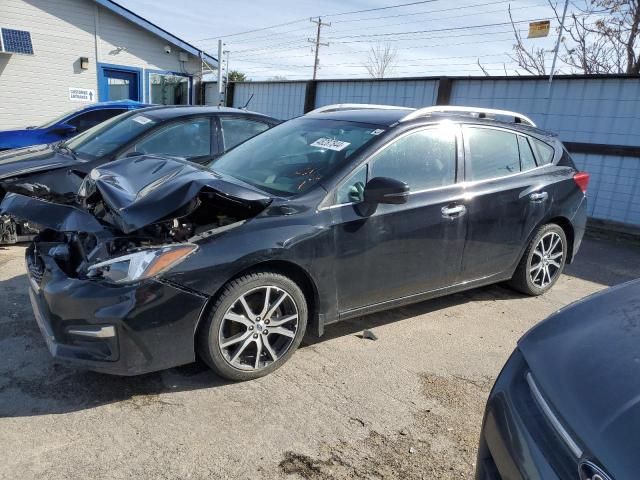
(96, 34)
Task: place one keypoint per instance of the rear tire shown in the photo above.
(254, 326)
(542, 262)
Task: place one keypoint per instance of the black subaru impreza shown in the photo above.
(345, 211)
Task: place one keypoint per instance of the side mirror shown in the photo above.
(385, 190)
(64, 129)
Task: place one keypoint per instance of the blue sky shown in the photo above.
(449, 39)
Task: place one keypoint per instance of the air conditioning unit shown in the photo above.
(15, 41)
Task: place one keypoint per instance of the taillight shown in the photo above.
(582, 180)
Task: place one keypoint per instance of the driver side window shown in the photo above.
(188, 139)
(423, 159)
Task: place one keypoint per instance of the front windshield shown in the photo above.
(295, 155)
(59, 118)
(106, 137)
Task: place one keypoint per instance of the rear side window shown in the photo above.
(423, 159)
(544, 152)
(237, 130)
(527, 160)
(491, 153)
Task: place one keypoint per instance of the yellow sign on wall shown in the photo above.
(539, 29)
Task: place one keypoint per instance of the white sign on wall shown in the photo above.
(82, 94)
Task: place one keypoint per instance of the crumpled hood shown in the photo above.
(586, 361)
(140, 191)
(32, 159)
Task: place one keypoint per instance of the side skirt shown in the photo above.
(419, 297)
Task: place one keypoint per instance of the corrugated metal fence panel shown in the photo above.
(405, 93)
(614, 188)
(579, 110)
(283, 100)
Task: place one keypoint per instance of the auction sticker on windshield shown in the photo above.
(330, 144)
(142, 120)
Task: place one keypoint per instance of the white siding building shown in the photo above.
(87, 51)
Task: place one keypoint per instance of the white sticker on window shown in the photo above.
(330, 144)
(377, 131)
(142, 120)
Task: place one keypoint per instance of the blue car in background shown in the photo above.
(67, 125)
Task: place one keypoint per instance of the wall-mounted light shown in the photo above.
(84, 63)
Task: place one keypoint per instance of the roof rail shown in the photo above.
(473, 111)
(356, 106)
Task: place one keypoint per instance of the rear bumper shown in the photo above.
(579, 222)
(516, 442)
(122, 330)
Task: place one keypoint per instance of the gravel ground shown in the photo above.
(408, 405)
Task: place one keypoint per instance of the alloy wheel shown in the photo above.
(258, 328)
(546, 261)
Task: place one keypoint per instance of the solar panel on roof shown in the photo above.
(16, 41)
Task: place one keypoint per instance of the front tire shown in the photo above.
(543, 261)
(254, 326)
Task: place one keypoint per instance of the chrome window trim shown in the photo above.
(548, 413)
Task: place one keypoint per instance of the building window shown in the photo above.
(167, 89)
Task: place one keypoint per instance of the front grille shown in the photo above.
(35, 265)
(541, 429)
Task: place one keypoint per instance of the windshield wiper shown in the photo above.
(62, 147)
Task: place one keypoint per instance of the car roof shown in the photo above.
(383, 117)
(164, 112)
(388, 117)
(117, 103)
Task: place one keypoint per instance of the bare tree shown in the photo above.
(530, 59)
(601, 36)
(381, 59)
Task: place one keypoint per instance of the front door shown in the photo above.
(119, 85)
(407, 249)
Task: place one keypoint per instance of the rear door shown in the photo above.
(87, 120)
(407, 249)
(506, 198)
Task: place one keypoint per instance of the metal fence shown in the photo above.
(597, 117)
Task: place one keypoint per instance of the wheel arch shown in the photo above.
(289, 269)
(567, 227)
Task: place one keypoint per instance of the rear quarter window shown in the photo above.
(544, 153)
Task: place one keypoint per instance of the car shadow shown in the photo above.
(32, 384)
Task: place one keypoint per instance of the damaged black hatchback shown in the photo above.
(342, 212)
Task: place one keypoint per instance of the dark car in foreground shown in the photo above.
(345, 211)
(567, 403)
(67, 125)
(55, 171)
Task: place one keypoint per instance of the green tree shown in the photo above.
(236, 76)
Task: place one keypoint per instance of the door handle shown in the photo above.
(454, 212)
(539, 196)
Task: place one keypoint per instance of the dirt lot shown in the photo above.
(408, 405)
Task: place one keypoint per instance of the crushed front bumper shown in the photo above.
(118, 329)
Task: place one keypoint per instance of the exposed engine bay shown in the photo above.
(129, 206)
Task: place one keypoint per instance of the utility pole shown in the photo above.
(555, 54)
(219, 72)
(226, 83)
(317, 42)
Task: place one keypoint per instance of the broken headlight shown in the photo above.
(141, 264)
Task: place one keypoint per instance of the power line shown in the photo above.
(324, 15)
